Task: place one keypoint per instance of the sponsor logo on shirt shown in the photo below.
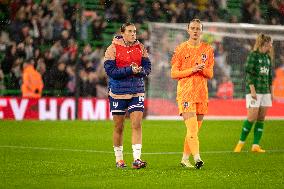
(185, 104)
(264, 70)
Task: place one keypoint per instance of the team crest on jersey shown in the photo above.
(185, 104)
(203, 57)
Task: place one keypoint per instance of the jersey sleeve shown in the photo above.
(144, 51)
(176, 72)
(110, 65)
(270, 73)
(145, 62)
(208, 70)
(110, 53)
(249, 68)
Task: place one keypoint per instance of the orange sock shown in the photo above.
(192, 135)
(186, 149)
(199, 124)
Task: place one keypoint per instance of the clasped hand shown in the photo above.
(198, 67)
(135, 68)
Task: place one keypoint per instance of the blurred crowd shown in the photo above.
(181, 11)
(48, 33)
(57, 35)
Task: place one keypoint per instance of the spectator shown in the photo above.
(86, 19)
(97, 28)
(56, 49)
(102, 90)
(29, 47)
(156, 14)
(59, 78)
(32, 83)
(139, 12)
(41, 68)
(2, 84)
(10, 57)
(191, 11)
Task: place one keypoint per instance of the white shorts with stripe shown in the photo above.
(262, 100)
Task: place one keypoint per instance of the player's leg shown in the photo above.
(186, 149)
(117, 107)
(258, 130)
(190, 119)
(246, 128)
(185, 156)
(191, 123)
(136, 109)
(118, 139)
(252, 113)
(200, 119)
(201, 110)
(265, 103)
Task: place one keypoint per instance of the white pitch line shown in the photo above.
(109, 152)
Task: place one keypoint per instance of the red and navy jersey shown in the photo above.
(125, 56)
(117, 62)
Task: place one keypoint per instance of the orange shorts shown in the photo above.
(197, 107)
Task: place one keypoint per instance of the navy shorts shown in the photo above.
(119, 106)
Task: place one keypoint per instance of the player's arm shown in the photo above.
(176, 72)
(110, 65)
(270, 80)
(252, 91)
(250, 68)
(145, 68)
(250, 73)
(208, 70)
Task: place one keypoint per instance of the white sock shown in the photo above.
(185, 156)
(118, 153)
(197, 158)
(136, 151)
(241, 142)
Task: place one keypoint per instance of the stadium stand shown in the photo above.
(55, 33)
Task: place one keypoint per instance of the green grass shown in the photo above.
(78, 154)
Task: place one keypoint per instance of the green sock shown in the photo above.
(258, 129)
(245, 130)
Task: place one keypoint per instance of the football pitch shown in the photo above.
(79, 154)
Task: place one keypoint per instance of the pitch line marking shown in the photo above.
(110, 152)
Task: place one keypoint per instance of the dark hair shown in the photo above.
(195, 20)
(30, 61)
(122, 28)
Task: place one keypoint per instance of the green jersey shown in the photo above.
(258, 72)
